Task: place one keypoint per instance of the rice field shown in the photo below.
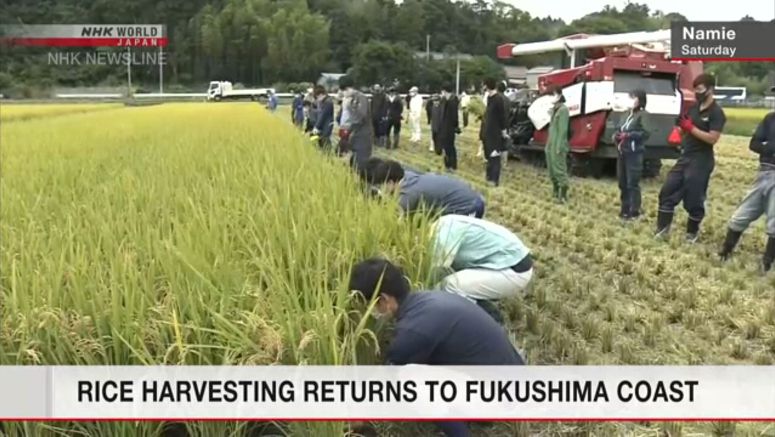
(607, 293)
(183, 234)
(22, 111)
(215, 234)
(743, 121)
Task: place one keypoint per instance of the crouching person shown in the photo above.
(440, 193)
(432, 327)
(488, 262)
(761, 198)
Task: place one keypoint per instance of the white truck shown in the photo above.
(223, 90)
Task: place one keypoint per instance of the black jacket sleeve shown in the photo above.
(503, 116)
(760, 143)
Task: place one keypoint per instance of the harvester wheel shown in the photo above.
(583, 165)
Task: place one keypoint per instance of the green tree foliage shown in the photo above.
(259, 42)
(297, 42)
(382, 62)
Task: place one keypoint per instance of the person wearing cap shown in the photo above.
(415, 113)
(760, 199)
(379, 115)
(486, 262)
(358, 124)
(438, 193)
(395, 117)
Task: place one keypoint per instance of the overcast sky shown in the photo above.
(696, 10)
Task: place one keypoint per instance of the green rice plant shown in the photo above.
(186, 234)
(23, 111)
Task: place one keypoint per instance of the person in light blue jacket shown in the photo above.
(487, 261)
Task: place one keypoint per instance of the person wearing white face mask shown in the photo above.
(415, 113)
(629, 138)
(557, 146)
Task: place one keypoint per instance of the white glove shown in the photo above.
(495, 154)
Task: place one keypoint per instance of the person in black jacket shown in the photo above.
(379, 115)
(429, 105)
(395, 116)
(436, 111)
(688, 180)
(449, 126)
(761, 198)
(493, 132)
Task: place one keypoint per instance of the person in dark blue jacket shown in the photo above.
(629, 138)
(324, 125)
(297, 111)
(432, 327)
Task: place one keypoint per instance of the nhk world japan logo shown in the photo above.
(84, 35)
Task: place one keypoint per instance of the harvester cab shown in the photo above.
(596, 94)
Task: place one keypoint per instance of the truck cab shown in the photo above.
(223, 90)
(216, 90)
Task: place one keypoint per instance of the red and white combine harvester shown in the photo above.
(596, 94)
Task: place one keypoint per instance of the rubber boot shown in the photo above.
(692, 230)
(730, 242)
(769, 255)
(396, 138)
(563, 191)
(664, 220)
(624, 213)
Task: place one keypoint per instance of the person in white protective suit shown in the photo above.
(415, 112)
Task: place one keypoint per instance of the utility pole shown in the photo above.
(129, 71)
(161, 70)
(457, 76)
(428, 47)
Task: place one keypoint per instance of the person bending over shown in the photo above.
(432, 327)
(486, 262)
(439, 193)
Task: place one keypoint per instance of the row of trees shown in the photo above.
(259, 42)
